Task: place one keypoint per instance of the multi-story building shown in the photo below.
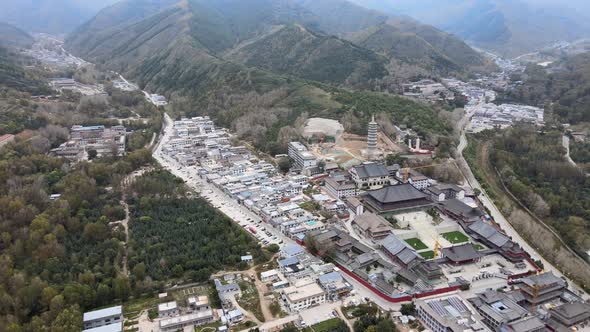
(370, 176)
(541, 288)
(303, 297)
(442, 192)
(392, 199)
(449, 314)
(301, 157)
(167, 309)
(371, 226)
(199, 303)
(334, 285)
(112, 316)
(497, 309)
(193, 319)
(83, 139)
(569, 315)
(418, 180)
(340, 187)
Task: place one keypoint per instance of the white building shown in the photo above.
(301, 298)
(301, 157)
(418, 180)
(449, 313)
(193, 319)
(199, 303)
(167, 309)
(340, 187)
(269, 276)
(103, 317)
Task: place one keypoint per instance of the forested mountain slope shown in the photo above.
(260, 65)
(197, 34)
(50, 16)
(510, 28)
(14, 76)
(312, 55)
(11, 36)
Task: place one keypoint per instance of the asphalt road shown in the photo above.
(230, 207)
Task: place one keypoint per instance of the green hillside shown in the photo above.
(11, 36)
(261, 66)
(14, 76)
(297, 51)
(198, 33)
(510, 28)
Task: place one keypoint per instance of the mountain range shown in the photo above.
(50, 16)
(331, 41)
(507, 27)
(11, 36)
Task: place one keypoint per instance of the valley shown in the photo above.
(293, 165)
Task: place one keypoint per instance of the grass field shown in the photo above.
(416, 244)
(478, 247)
(427, 254)
(455, 237)
(326, 325)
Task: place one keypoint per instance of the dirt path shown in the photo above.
(260, 288)
(343, 317)
(264, 302)
(127, 181)
(246, 313)
(125, 223)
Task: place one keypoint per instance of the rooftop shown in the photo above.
(330, 277)
(170, 322)
(459, 208)
(454, 313)
(371, 170)
(295, 294)
(543, 280)
(167, 306)
(117, 327)
(292, 250)
(528, 324)
(461, 253)
(570, 310)
(101, 313)
(499, 306)
(490, 233)
(372, 222)
(396, 193)
(399, 249)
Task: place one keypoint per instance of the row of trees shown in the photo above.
(173, 236)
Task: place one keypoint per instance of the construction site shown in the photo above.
(346, 149)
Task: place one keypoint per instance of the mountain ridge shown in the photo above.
(510, 28)
(230, 30)
(11, 36)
